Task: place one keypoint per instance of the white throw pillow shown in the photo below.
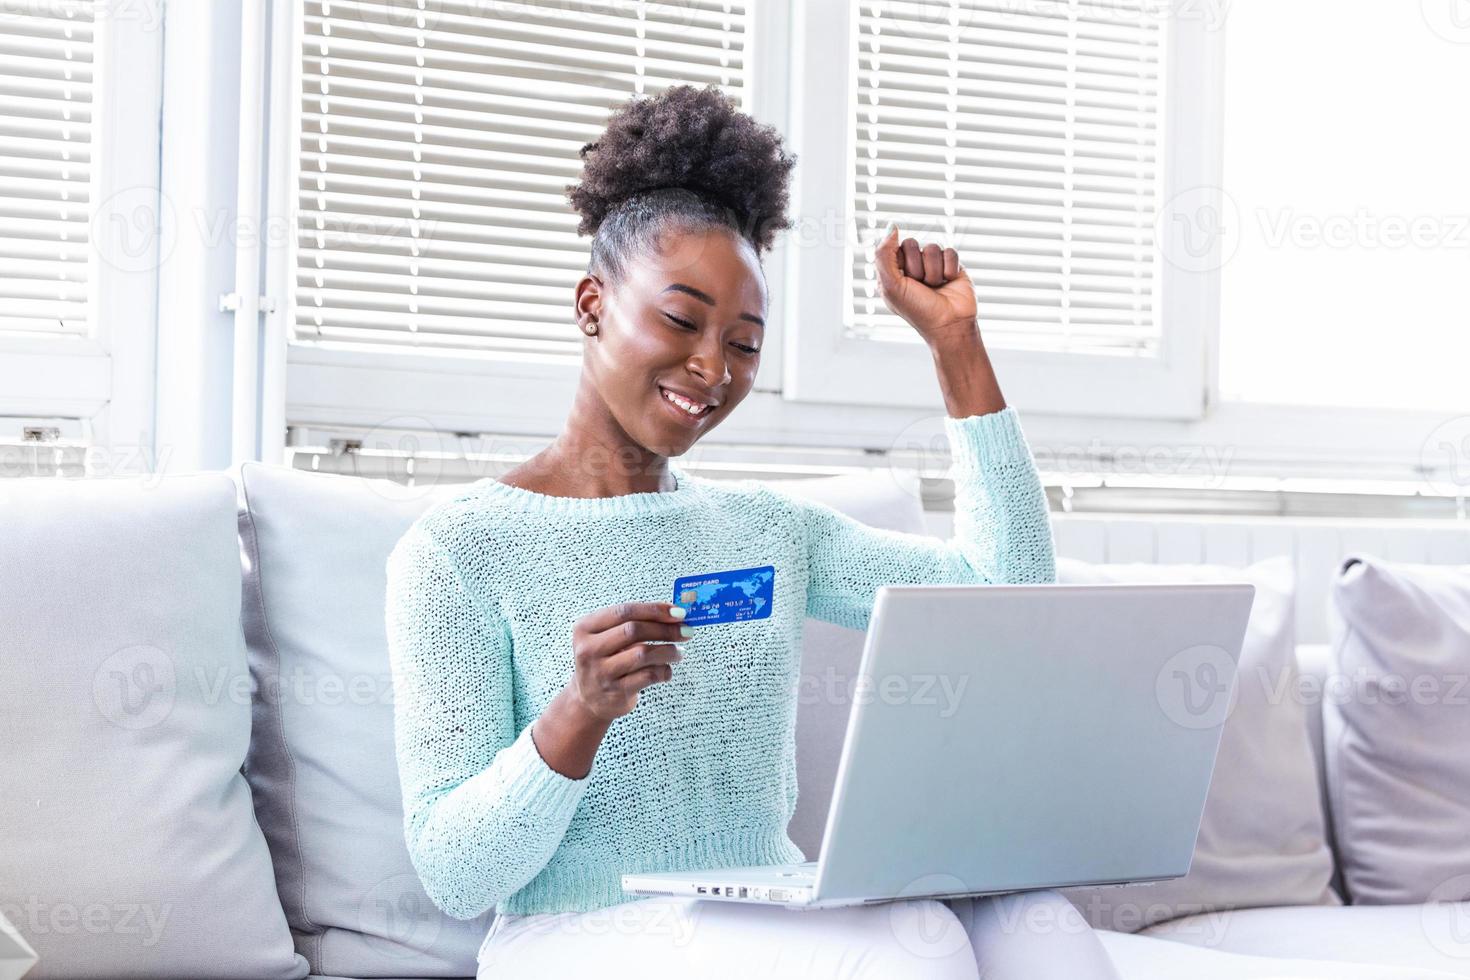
(1262, 840)
(1398, 734)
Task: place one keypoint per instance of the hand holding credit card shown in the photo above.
(727, 597)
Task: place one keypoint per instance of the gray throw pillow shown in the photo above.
(1397, 735)
(128, 847)
(322, 764)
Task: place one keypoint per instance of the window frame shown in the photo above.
(826, 365)
(446, 392)
(106, 380)
(1078, 425)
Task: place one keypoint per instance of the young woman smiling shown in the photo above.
(557, 725)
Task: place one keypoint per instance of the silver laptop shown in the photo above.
(1075, 746)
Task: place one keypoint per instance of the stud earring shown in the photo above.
(590, 327)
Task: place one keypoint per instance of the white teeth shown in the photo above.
(685, 404)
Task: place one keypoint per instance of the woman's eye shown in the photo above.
(680, 321)
(746, 349)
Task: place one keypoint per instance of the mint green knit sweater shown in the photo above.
(483, 590)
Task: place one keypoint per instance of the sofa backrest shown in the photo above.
(1316, 546)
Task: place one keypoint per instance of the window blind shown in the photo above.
(45, 166)
(436, 141)
(1026, 136)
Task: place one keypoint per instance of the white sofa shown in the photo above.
(195, 709)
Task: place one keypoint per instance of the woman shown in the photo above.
(557, 725)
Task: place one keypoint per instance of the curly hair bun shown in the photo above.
(695, 139)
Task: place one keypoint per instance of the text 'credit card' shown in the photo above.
(727, 597)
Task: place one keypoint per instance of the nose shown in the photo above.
(708, 363)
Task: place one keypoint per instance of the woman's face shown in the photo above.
(684, 323)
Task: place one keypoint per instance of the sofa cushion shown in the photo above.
(1145, 957)
(830, 653)
(321, 763)
(127, 842)
(1396, 738)
(1262, 838)
(1434, 936)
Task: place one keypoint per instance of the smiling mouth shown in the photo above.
(693, 410)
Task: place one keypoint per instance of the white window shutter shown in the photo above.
(1028, 136)
(46, 90)
(436, 142)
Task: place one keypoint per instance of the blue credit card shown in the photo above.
(727, 597)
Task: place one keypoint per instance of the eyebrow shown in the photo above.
(707, 299)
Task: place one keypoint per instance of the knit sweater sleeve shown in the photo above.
(483, 812)
(1002, 532)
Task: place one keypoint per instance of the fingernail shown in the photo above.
(685, 631)
(678, 612)
(679, 649)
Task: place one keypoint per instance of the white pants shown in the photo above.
(1018, 936)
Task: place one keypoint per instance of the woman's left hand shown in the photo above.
(928, 287)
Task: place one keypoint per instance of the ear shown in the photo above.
(587, 301)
